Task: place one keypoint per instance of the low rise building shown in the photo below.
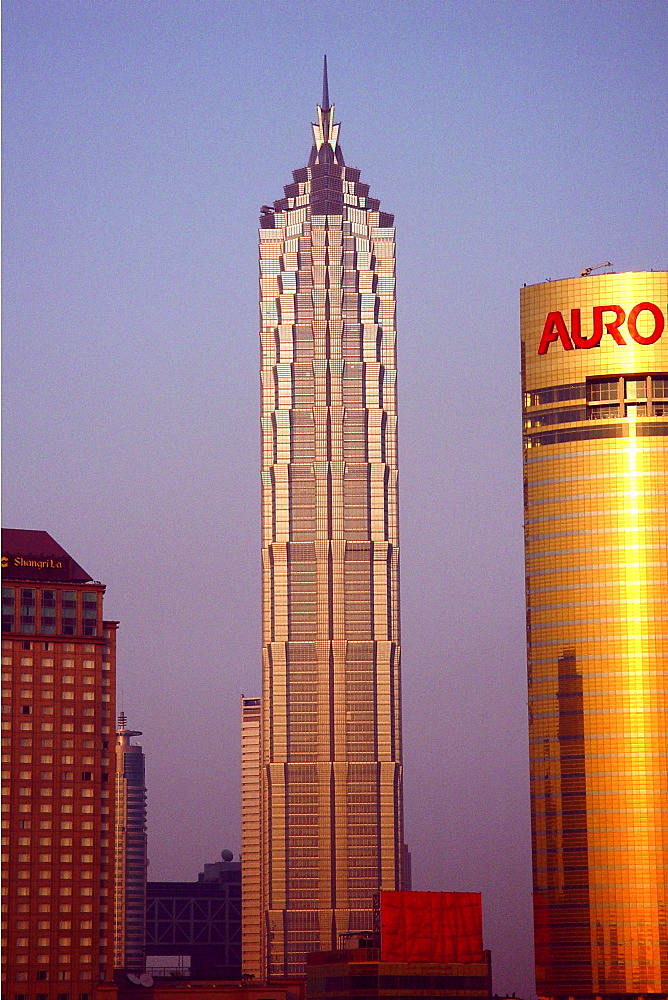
(200, 921)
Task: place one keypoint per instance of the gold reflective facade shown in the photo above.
(595, 383)
(331, 779)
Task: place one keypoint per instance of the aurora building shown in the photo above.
(330, 726)
(595, 382)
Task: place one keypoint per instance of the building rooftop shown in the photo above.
(35, 555)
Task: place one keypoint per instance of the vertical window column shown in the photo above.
(27, 618)
(89, 614)
(8, 608)
(68, 612)
(48, 612)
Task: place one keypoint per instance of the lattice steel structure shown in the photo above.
(595, 380)
(200, 920)
(331, 723)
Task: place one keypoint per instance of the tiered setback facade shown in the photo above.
(331, 723)
(595, 382)
(58, 700)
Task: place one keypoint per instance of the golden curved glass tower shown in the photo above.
(595, 383)
(331, 777)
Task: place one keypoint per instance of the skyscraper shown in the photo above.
(251, 834)
(595, 382)
(331, 777)
(58, 694)
(131, 852)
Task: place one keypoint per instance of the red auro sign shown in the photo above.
(606, 319)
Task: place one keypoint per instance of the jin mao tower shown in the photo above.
(330, 725)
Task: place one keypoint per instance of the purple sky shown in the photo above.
(514, 141)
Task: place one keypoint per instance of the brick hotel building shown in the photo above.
(58, 708)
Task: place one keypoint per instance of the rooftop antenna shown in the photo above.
(325, 87)
(122, 731)
(588, 270)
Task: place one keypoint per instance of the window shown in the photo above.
(8, 608)
(48, 612)
(89, 614)
(69, 612)
(599, 391)
(660, 388)
(634, 410)
(635, 388)
(604, 412)
(27, 610)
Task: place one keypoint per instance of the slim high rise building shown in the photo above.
(131, 852)
(595, 382)
(58, 694)
(251, 833)
(331, 777)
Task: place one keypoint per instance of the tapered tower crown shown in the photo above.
(326, 147)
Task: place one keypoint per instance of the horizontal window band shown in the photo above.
(619, 429)
(532, 459)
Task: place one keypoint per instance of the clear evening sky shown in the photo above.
(515, 142)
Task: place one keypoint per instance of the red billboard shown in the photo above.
(431, 927)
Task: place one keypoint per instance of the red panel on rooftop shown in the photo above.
(431, 927)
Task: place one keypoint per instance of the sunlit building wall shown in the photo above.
(595, 383)
(331, 724)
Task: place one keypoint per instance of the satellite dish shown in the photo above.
(133, 978)
(227, 855)
(146, 979)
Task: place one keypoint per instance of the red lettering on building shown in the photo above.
(583, 343)
(659, 322)
(554, 329)
(611, 326)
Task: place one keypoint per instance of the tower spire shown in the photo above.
(326, 130)
(325, 87)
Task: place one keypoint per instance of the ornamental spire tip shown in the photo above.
(325, 87)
